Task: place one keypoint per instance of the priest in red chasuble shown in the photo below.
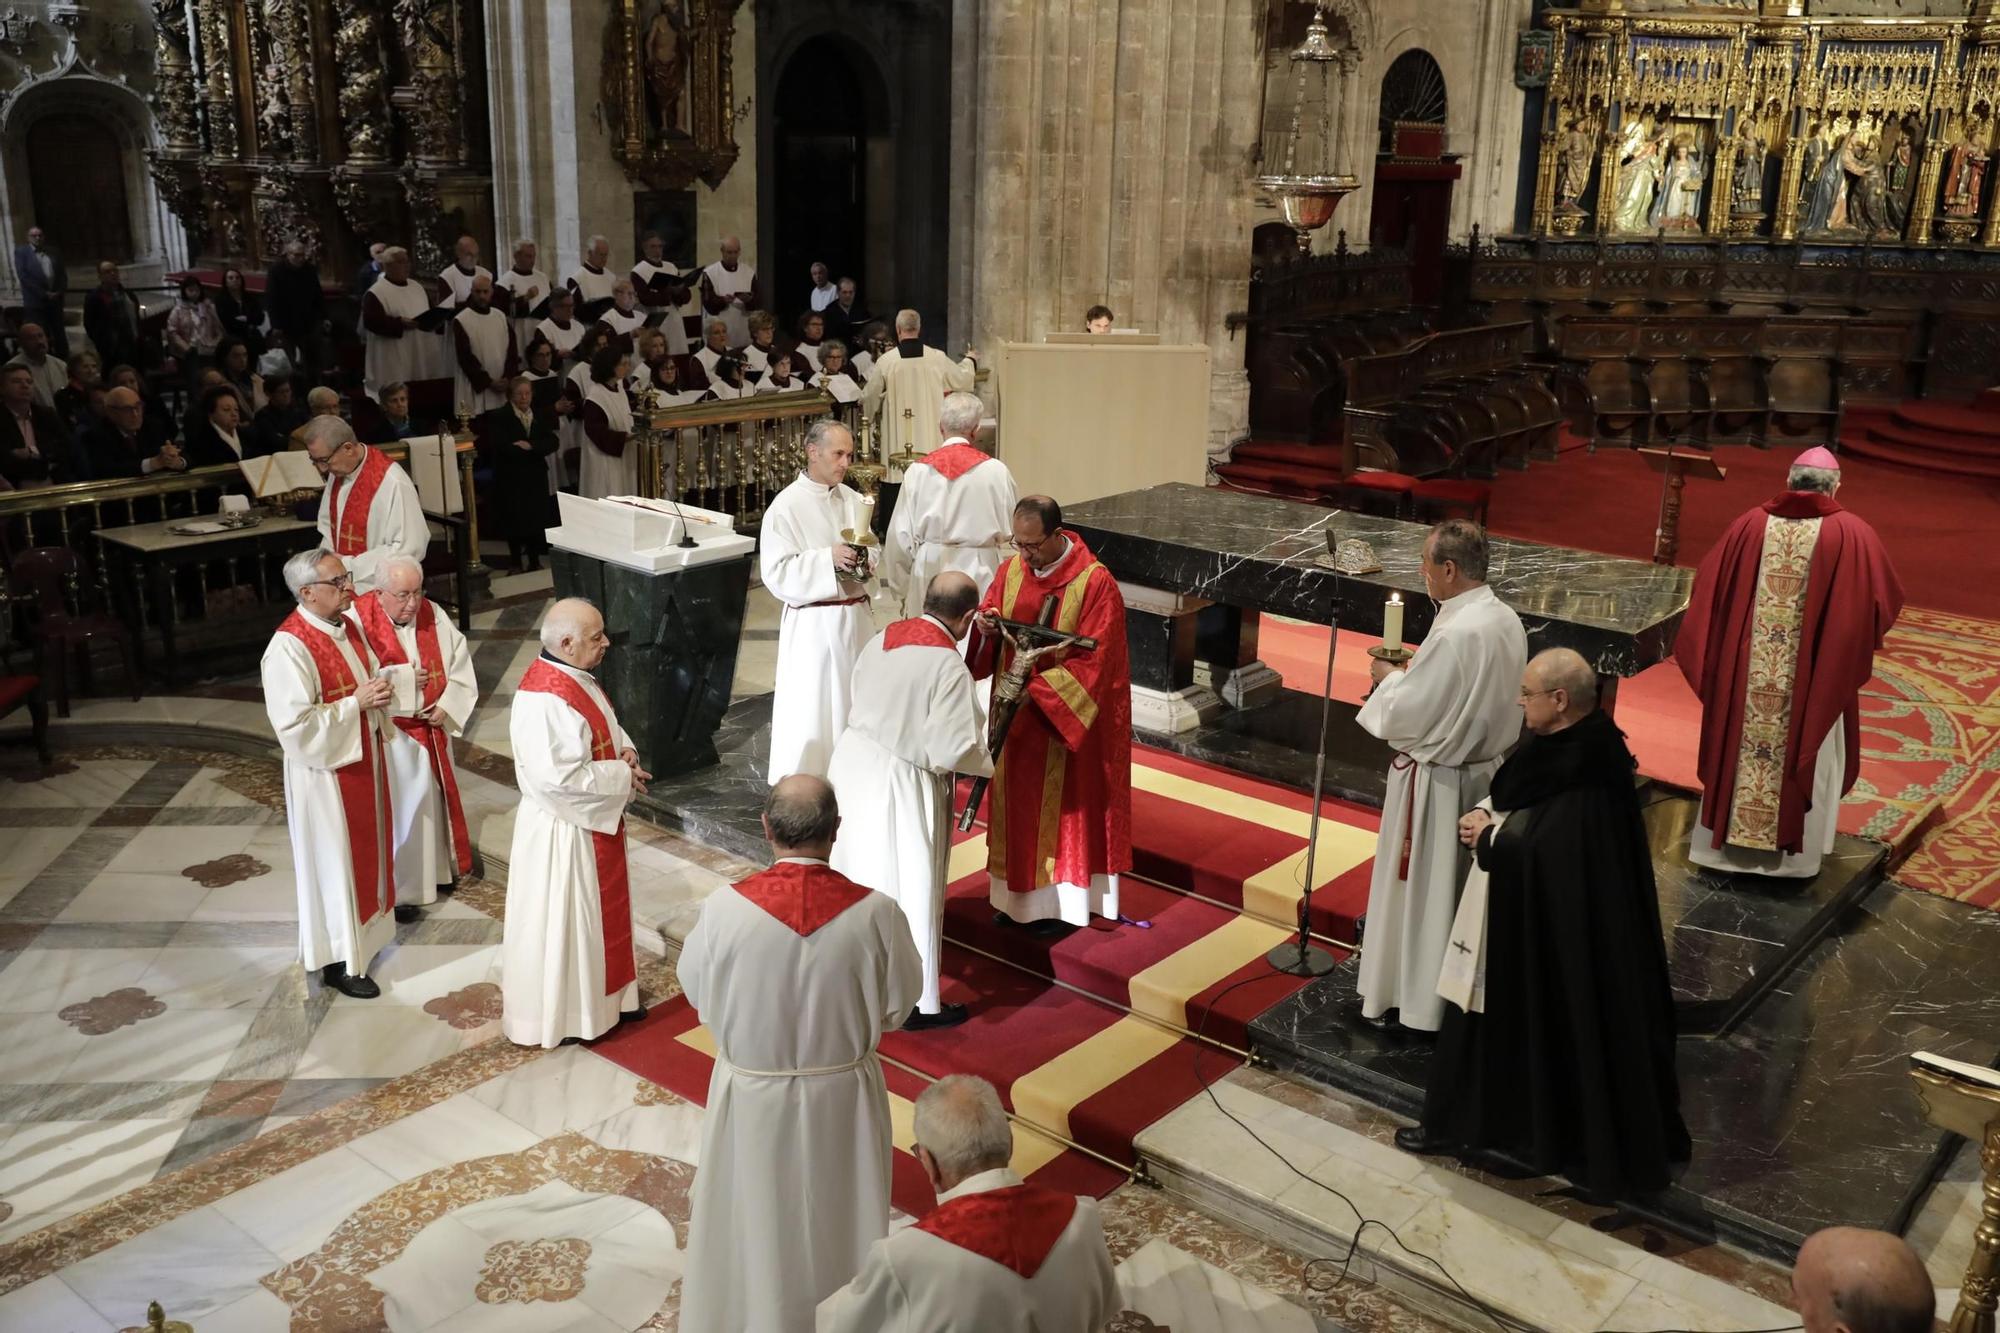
(1060, 819)
(1787, 612)
(326, 704)
(369, 510)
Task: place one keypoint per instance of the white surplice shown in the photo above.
(534, 287)
(725, 283)
(823, 626)
(793, 1184)
(424, 853)
(412, 356)
(396, 526)
(1822, 826)
(908, 387)
(318, 738)
(590, 285)
(914, 721)
(1451, 717)
(490, 336)
(552, 944)
(914, 1282)
(600, 474)
(963, 524)
(558, 337)
(457, 283)
(672, 326)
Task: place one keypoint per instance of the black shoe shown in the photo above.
(1416, 1139)
(632, 1015)
(406, 913)
(1043, 928)
(947, 1016)
(445, 890)
(357, 988)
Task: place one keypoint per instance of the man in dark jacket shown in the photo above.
(34, 448)
(38, 267)
(296, 306)
(128, 442)
(111, 318)
(516, 440)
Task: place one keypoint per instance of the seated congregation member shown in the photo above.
(194, 328)
(241, 313)
(562, 331)
(370, 510)
(997, 1255)
(128, 442)
(48, 371)
(727, 382)
(192, 418)
(327, 706)
(779, 377)
(221, 435)
(271, 429)
(387, 419)
(609, 465)
(111, 317)
(517, 440)
(763, 341)
(72, 403)
(796, 972)
(1558, 1046)
(567, 970)
(233, 360)
(1848, 1280)
(35, 450)
(836, 375)
(1098, 319)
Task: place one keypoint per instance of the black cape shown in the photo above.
(1570, 1068)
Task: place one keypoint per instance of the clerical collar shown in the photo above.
(801, 861)
(957, 439)
(335, 626)
(999, 1178)
(910, 347)
(553, 660)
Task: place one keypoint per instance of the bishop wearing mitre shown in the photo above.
(428, 662)
(370, 509)
(815, 572)
(908, 385)
(956, 510)
(567, 970)
(326, 705)
(484, 356)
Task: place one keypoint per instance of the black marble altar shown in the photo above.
(673, 650)
(722, 805)
(1260, 553)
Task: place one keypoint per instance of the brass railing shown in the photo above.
(734, 456)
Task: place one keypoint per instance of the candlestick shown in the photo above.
(1392, 621)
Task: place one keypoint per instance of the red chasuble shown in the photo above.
(955, 460)
(919, 632)
(1062, 790)
(364, 784)
(388, 648)
(1780, 635)
(1015, 1227)
(348, 499)
(614, 890)
(803, 897)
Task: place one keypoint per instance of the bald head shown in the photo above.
(1848, 1280)
(1558, 689)
(952, 597)
(801, 817)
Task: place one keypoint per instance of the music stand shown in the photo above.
(1676, 463)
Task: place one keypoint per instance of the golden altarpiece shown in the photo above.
(331, 122)
(1774, 121)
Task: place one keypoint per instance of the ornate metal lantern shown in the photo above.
(1311, 154)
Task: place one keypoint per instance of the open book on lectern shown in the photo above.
(275, 474)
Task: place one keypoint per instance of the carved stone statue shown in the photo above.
(1867, 197)
(1964, 182)
(1678, 207)
(1746, 182)
(1900, 175)
(666, 64)
(1573, 166)
(1639, 173)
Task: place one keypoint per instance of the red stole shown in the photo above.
(921, 632)
(381, 632)
(803, 897)
(348, 520)
(1015, 1227)
(614, 890)
(955, 460)
(362, 782)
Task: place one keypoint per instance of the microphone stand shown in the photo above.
(1301, 957)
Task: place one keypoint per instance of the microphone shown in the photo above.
(687, 541)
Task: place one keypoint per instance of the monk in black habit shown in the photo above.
(1568, 1066)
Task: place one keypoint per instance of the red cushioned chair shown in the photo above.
(1449, 497)
(42, 576)
(26, 691)
(1384, 493)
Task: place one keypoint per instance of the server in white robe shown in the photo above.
(428, 661)
(1451, 717)
(561, 330)
(662, 287)
(521, 291)
(818, 574)
(729, 291)
(370, 509)
(567, 969)
(326, 706)
(914, 722)
(484, 354)
(796, 972)
(591, 280)
(395, 350)
(610, 462)
(907, 387)
(997, 1255)
(456, 278)
(955, 511)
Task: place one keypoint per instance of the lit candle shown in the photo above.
(1392, 621)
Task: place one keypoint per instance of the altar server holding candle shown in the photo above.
(1450, 713)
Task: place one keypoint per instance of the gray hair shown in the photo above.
(395, 562)
(1462, 543)
(960, 1122)
(1564, 669)
(714, 324)
(320, 397)
(801, 811)
(330, 431)
(910, 322)
(817, 433)
(565, 620)
(596, 241)
(303, 569)
(1820, 480)
(394, 252)
(960, 415)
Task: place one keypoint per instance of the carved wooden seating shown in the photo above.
(1460, 402)
(1298, 384)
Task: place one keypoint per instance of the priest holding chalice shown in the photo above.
(1449, 710)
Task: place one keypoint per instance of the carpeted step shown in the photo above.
(1924, 459)
(1924, 438)
(1950, 418)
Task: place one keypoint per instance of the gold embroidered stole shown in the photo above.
(1775, 619)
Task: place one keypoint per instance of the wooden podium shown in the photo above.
(1081, 420)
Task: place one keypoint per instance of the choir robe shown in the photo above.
(337, 796)
(566, 962)
(955, 512)
(590, 284)
(914, 722)
(1450, 717)
(907, 387)
(1791, 605)
(392, 353)
(621, 328)
(1059, 830)
(457, 283)
(562, 337)
(663, 287)
(822, 628)
(433, 846)
(370, 515)
(796, 972)
(995, 1256)
(718, 284)
(610, 462)
(569, 458)
(484, 358)
(524, 292)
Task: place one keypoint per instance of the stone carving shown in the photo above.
(666, 64)
(17, 30)
(1746, 181)
(364, 103)
(1577, 148)
(667, 90)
